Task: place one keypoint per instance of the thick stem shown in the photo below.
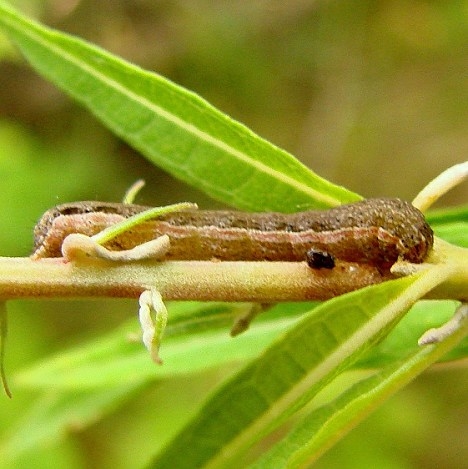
(263, 282)
(183, 280)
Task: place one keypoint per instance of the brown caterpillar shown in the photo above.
(373, 231)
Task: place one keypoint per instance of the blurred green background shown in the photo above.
(372, 95)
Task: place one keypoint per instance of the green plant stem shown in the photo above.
(457, 257)
(196, 280)
(182, 280)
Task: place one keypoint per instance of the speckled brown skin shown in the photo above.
(373, 231)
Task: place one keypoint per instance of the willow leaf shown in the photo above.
(173, 127)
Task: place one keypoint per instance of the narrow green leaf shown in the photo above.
(453, 232)
(53, 415)
(291, 372)
(173, 127)
(450, 224)
(399, 343)
(448, 215)
(197, 338)
(317, 431)
(3, 336)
